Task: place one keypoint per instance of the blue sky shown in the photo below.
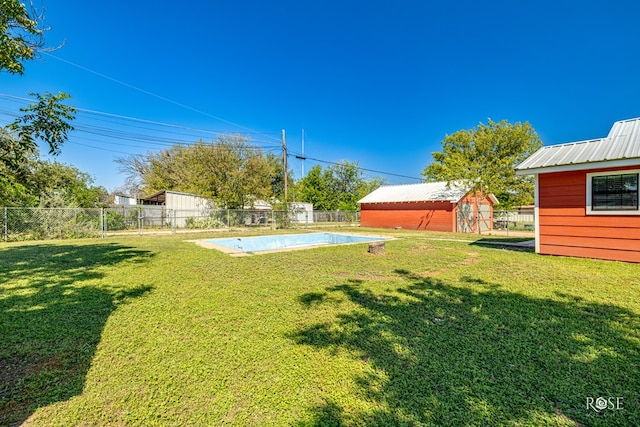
(378, 83)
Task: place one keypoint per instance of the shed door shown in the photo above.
(465, 218)
(484, 217)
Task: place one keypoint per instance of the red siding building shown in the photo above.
(587, 196)
(434, 206)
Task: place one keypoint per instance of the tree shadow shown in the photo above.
(449, 355)
(51, 318)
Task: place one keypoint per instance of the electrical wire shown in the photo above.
(116, 128)
(357, 167)
(153, 135)
(146, 92)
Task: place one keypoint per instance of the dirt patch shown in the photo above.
(472, 258)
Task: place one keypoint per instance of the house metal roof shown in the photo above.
(432, 192)
(620, 148)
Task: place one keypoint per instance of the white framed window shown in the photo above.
(613, 193)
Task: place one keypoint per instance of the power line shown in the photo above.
(297, 156)
(136, 119)
(97, 148)
(146, 92)
(303, 157)
(153, 133)
(163, 138)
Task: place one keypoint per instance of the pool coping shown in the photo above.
(238, 253)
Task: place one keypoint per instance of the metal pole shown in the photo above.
(6, 225)
(174, 230)
(284, 165)
(140, 217)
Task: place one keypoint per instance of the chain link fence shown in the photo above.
(516, 220)
(69, 223)
(19, 224)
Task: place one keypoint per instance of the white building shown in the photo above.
(174, 206)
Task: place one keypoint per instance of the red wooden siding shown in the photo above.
(434, 216)
(565, 228)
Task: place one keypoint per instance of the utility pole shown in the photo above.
(303, 153)
(284, 164)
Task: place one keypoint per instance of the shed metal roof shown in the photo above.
(621, 146)
(161, 196)
(432, 191)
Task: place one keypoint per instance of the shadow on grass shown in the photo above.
(451, 355)
(518, 244)
(51, 320)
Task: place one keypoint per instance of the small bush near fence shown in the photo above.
(65, 223)
(38, 224)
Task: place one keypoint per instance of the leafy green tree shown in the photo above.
(315, 188)
(21, 35)
(47, 120)
(484, 158)
(47, 178)
(340, 186)
(230, 171)
(13, 193)
(277, 178)
(40, 180)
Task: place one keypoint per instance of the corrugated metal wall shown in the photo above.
(180, 201)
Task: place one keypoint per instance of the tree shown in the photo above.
(484, 158)
(13, 193)
(315, 188)
(47, 120)
(340, 186)
(21, 35)
(47, 178)
(135, 167)
(230, 171)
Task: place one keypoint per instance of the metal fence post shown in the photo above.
(6, 225)
(140, 217)
(103, 223)
(173, 229)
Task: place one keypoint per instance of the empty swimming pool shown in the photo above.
(239, 245)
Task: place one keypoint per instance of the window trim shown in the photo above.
(590, 177)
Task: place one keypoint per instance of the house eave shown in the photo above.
(580, 166)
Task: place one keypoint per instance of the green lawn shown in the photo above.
(159, 331)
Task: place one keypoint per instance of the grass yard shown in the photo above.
(150, 330)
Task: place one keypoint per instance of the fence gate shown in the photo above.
(465, 219)
(484, 217)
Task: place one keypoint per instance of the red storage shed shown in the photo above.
(435, 206)
(587, 196)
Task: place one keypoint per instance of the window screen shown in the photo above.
(614, 192)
